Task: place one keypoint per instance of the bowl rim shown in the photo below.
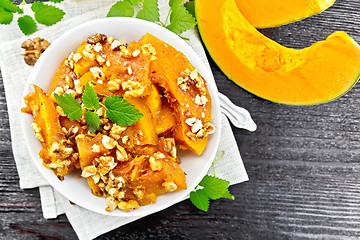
(177, 41)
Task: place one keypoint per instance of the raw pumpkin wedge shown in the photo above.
(274, 13)
(313, 75)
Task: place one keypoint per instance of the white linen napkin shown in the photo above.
(15, 73)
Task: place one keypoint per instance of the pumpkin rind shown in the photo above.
(267, 14)
(313, 75)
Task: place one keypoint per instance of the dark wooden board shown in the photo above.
(303, 164)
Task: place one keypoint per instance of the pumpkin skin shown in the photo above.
(274, 13)
(313, 75)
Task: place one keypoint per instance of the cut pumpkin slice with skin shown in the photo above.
(274, 13)
(313, 75)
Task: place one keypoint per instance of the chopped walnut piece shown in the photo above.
(97, 73)
(193, 75)
(155, 164)
(100, 59)
(95, 148)
(111, 203)
(113, 86)
(129, 70)
(88, 171)
(170, 186)
(197, 126)
(121, 154)
(98, 47)
(77, 57)
(78, 87)
(37, 131)
(96, 38)
(105, 164)
(108, 142)
(136, 53)
(116, 43)
(116, 130)
(128, 206)
(190, 121)
(88, 55)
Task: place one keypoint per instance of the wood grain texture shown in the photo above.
(303, 164)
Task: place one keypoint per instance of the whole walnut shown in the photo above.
(33, 49)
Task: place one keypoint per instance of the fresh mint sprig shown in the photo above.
(44, 14)
(210, 187)
(179, 19)
(118, 110)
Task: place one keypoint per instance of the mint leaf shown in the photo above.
(9, 6)
(133, 2)
(150, 11)
(190, 6)
(121, 111)
(89, 98)
(5, 17)
(200, 200)
(214, 187)
(180, 20)
(228, 195)
(92, 121)
(121, 9)
(27, 24)
(69, 105)
(47, 14)
(174, 3)
(56, 1)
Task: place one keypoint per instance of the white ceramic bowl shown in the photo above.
(125, 29)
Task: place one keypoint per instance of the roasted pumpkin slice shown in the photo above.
(313, 75)
(64, 76)
(99, 87)
(185, 90)
(266, 14)
(162, 112)
(127, 67)
(55, 153)
(90, 148)
(148, 176)
(87, 60)
(143, 132)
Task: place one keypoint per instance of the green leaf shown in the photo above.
(5, 17)
(92, 121)
(121, 9)
(180, 20)
(9, 6)
(190, 6)
(200, 200)
(133, 2)
(175, 3)
(214, 187)
(56, 1)
(69, 105)
(89, 98)
(27, 24)
(121, 111)
(150, 11)
(228, 195)
(47, 14)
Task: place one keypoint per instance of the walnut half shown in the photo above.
(33, 49)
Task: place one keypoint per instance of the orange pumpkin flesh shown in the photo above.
(267, 14)
(144, 154)
(313, 75)
(165, 71)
